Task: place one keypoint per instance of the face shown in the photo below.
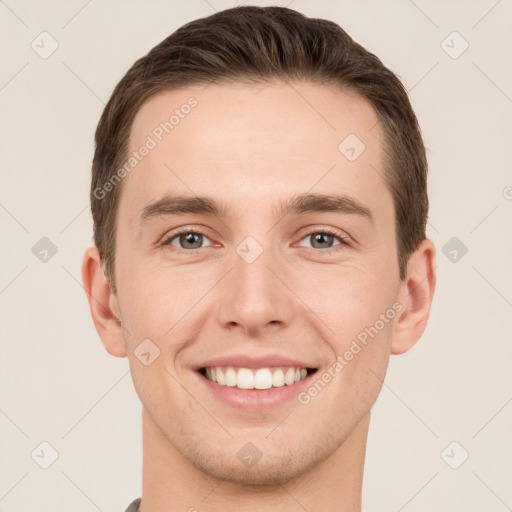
(266, 282)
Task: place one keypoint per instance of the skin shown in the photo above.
(250, 146)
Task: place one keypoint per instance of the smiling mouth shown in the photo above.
(256, 378)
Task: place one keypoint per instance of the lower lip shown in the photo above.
(255, 398)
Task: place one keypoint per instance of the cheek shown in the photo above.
(351, 300)
(357, 374)
(357, 305)
(154, 299)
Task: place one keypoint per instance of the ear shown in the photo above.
(102, 303)
(416, 293)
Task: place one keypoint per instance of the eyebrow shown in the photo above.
(299, 205)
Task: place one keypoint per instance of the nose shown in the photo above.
(256, 297)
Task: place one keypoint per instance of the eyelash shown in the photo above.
(327, 231)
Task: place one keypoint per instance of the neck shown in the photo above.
(171, 483)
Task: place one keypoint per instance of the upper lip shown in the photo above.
(246, 361)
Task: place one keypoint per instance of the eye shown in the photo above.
(187, 240)
(191, 240)
(324, 239)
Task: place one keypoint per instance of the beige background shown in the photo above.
(57, 383)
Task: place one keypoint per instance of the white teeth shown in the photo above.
(230, 377)
(261, 378)
(278, 378)
(289, 377)
(245, 379)
(220, 377)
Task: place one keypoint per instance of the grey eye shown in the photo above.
(322, 240)
(188, 240)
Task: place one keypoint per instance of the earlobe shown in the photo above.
(102, 304)
(416, 296)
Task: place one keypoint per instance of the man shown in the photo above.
(259, 197)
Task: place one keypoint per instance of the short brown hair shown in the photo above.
(262, 45)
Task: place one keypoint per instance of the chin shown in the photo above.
(272, 468)
(259, 475)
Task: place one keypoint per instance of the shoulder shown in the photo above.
(134, 506)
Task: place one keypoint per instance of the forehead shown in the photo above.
(255, 140)
(250, 114)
